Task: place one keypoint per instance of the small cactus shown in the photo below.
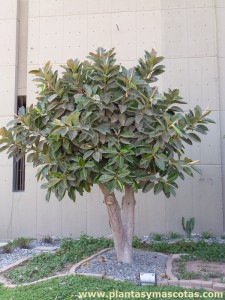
(189, 226)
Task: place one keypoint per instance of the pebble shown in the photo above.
(144, 262)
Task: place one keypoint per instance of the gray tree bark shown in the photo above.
(122, 222)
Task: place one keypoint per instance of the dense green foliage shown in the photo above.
(47, 264)
(103, 123)
(194, 250)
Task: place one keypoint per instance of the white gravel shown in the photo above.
(194, 238)
(9, 258)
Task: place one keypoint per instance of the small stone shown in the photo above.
(101, 259)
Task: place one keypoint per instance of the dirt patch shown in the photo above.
(214, 271)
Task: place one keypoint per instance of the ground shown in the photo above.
(199, 254)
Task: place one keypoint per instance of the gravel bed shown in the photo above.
(37, 243)
(147, 262)
(195, 238)
(7, 259)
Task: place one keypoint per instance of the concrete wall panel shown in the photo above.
(148, 5)
(8, 9)
(49, 214)
(152, 213)
(72, 8)
(97, 217)
(51, 8)
(176, 77)
(203, 76)
(8, 48)
(208, 151)
(74, 216)
(220, 12)
(222, 134)
(34, 41)
(180, 206)
(8, 82)
(208, 208)
(99, 6)
(4, 161)
(200, 3)
(6, 203)
(171, 4)
(147, 27)
(98, 33)
(34, 8)
(75, 37)
(219, 3)
(24, 214)
(125, 5)
(174, 33)
(51, 32)
(201, 32)
(124, 35)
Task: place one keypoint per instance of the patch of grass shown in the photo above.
(157, 237)
(21, 242)
(137, 243)
(206, 235)
(194, 250)
(174, 235)
(222, 236)
(210, 253)
(47, 264)
(47, 239)
(69, 287)
(8, 248)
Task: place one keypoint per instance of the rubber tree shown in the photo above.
(100, 123)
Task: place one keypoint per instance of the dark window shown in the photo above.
(19, 166)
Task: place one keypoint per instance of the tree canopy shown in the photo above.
(100, 123)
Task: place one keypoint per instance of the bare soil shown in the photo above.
(214, 271)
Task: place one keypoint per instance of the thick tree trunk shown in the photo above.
(122, 228)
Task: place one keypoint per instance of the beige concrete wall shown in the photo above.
(190, 34)
(220, 20)
(8, 71)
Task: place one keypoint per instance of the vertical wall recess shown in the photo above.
(22, 34)
(22, 47)
(19, 165)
